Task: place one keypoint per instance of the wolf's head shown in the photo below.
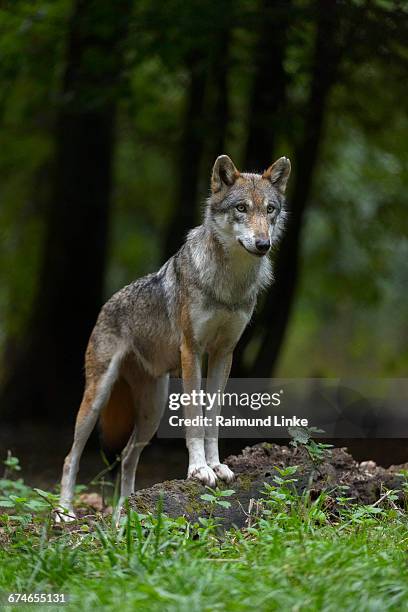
(248, 209)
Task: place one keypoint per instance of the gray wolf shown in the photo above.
(200, 301)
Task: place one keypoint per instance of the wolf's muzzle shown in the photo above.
(262, 245)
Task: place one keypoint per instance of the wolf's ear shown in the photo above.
(224, 173)
(279, 173)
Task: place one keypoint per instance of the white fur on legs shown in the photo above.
(219, 367)
(197, 464)
(83, 430)
(221, 470)
(203, 473)
(198, 467)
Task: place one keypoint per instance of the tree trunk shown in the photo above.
(267, 103)
(205, 121)
(190, 154)
(270, 323)
(268, 93)
(46, 381)
(219, 112)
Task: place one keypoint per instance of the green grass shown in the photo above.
(297, 555)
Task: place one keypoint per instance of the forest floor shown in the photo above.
(322, 532)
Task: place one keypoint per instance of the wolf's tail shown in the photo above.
(118, 418)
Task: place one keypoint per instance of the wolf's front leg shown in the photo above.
(191, 372)
(219, 367)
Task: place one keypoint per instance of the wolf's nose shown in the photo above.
(262, 245)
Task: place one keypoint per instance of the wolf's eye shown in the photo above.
(270, 209)
(241, 207)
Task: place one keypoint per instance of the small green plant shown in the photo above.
(19, 502)
(404, 485)
(302, 436)
(12, 464)
(22, 505)
(106, 485)
(283, 507)
(215, 498)
(280, 497)
(207, 526)
(341, 496)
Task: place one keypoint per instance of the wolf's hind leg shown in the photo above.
(96, 395)
(150, 397)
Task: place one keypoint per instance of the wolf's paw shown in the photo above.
(203, 473)
(64, 515)
(223, 472)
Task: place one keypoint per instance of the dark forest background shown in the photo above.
(112, 113)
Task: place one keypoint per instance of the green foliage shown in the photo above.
(317, 451)
(295, 550)
(215, 497)
(216, 500)
(32, 44)
(22, 505)
(350, 304)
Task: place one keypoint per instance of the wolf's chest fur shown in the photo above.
(217, 327)
(222, 294)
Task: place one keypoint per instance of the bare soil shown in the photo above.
(256, 465)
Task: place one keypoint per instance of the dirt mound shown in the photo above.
(256, 465)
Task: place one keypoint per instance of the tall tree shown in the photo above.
(268, 94)
(266, 113)
(46, 378)
(206, 115)
(191, 148)
(270, 322)
(218, 111)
